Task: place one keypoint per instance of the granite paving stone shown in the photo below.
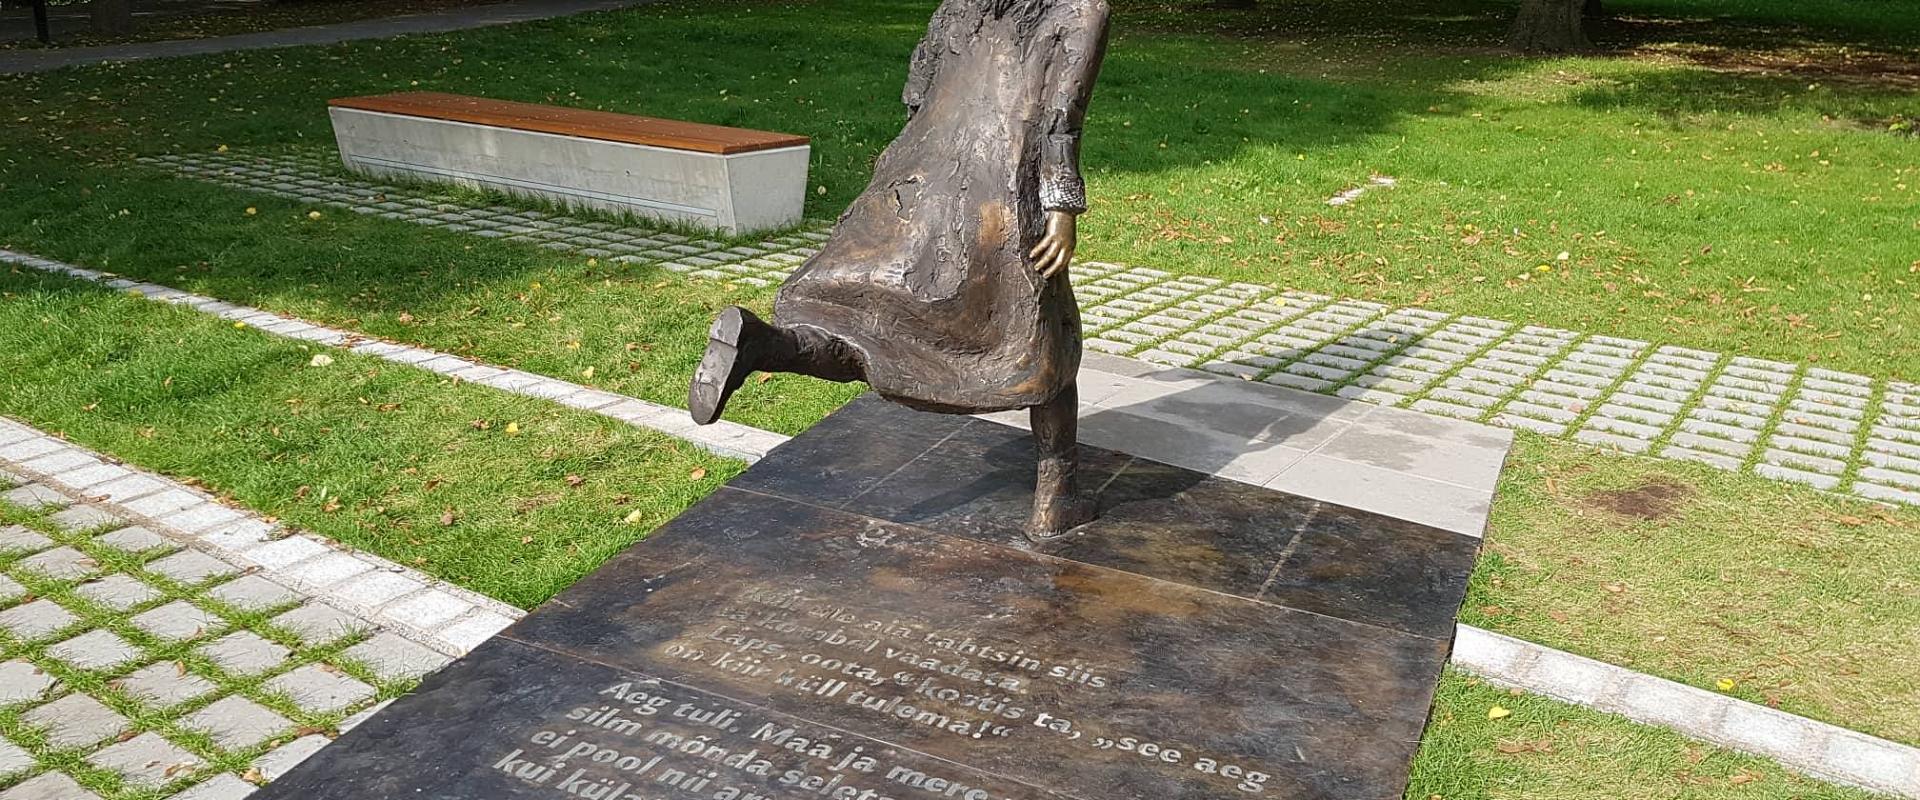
(13, 760)
(253, 593)
(320, 689)
(94, 650)
(36, 620)
(236, 723)
(61, 564)
(18, 539)
(119, 592)
(134, 539)
(75, 720)
(164, 684)
(34, 497)
(21, 682)
(147, 760)
(319, 624)
(221, 787)
(10, 589)
(84, 516)
(245, 653)
(190, 567)
(178, 621)
(275, 764)
(48, 786)
(394, 658)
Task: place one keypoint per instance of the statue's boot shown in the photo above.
(739, 343)
(1058, 504)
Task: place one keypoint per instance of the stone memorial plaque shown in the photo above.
(858, 617)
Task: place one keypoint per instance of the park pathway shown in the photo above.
(24, 61)
(1329, 448)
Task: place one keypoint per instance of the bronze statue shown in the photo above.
(944, 285)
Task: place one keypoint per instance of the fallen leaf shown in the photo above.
(513, 429)
(697, 473)
(1498, 712)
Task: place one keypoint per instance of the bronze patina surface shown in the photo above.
(859, 617)
(944, 285)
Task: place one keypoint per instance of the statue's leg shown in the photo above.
(739, 343)
(1058, 505)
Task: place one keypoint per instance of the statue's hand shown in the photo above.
(1055, 250)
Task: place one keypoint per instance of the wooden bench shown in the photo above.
(729, 179)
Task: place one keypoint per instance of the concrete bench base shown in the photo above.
(735, 193)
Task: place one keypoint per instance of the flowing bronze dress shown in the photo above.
(927, 274)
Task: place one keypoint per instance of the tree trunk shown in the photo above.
(1549, 26)
(112, 17)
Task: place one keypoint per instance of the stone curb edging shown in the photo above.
(724, 438)
(447, 618)
(1808, 746)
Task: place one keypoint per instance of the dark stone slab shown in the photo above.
(855, 618)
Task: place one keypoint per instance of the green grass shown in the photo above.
(1730, 209)
(1806, 601)
(375, 455)
(1547, 749)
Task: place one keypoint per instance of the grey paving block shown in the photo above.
(60, 564)
(21, 682)
(10, 589)
(1811, 447)
(1447, 409)
(245, 653)
(289, 755)
(236, 723)
(253, 593)
(1539, 426)
(147, 761)
(191, 567)
(84, 517)
(1618, 412)
(36, 620)
(1720, 460)
(1781, 473)
(18, 539)
(49, 786)
(34, 497)
(1905, 480)
(318, 688)
(221, 787)
(1713, 444)
(135, 539)
(178, 621)
(393, 657)
(118, 592)
(1887, 494)
(75, 720)
(1786, 458)
(94, 650)
(13, 760)
(164, 684)
(1603, 438)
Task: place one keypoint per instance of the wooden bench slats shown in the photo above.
(600, 125)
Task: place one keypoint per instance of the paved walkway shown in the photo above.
(1835, 431)
(23, 61)
(1406, 464)
(167, 643)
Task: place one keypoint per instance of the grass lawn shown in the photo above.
(1807, 602)
(196, 20)
(390, 459)
(248, 416)
(1764, 206)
